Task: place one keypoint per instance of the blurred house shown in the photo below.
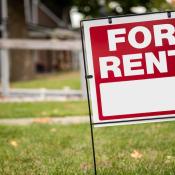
(32, 19)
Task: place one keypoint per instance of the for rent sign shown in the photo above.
(132, 60)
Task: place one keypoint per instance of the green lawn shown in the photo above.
(66, 150)
(43, 109)
(51, 81)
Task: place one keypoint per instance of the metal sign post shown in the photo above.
(89, 106)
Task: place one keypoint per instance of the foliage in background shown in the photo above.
(88, 7)
(159, 5)
(96, 8)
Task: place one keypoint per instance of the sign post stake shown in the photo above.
(89, 106)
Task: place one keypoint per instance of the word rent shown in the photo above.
(138, 63)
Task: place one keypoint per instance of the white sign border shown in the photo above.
(87, 24)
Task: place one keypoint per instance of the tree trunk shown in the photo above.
(22, 61)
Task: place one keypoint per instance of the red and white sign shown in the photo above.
(132, 61)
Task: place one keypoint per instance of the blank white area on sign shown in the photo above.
(138, 96)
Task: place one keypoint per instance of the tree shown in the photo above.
(88, 7)
(160, 5)
(97, 8)
(21, 67)
(93, 7)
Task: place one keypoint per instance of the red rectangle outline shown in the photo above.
(133, 115)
